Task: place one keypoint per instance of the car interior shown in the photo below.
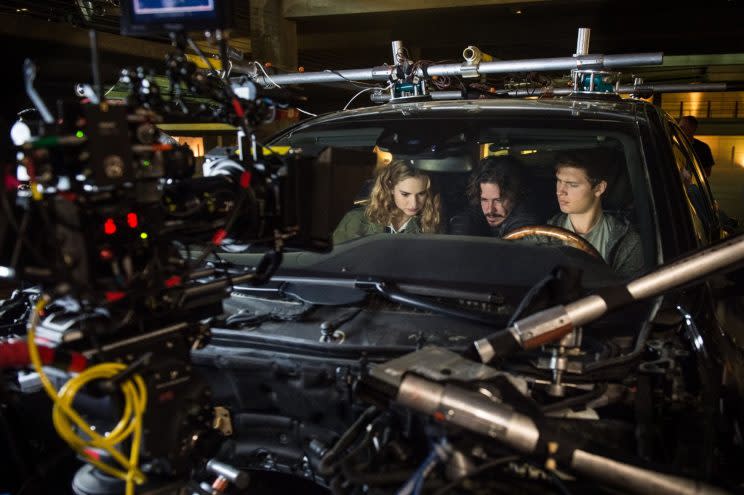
(343, 162)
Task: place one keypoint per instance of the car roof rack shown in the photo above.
(407, 80)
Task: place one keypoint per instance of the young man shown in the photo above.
(496, 193)
(580, 184)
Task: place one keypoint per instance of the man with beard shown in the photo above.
(496, 192)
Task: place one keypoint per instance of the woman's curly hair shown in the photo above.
(382, 210)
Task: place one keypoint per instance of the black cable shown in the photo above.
(201, 54)
(477, 471)
(21, 235)
(552, 477)
(346, 439)
(578, 400)
(399, 296)
(528, 297)
(355, 83)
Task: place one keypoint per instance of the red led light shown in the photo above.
(114, 296)
(109, 227)
(173, 281)
(106, 254)
(219, 236)
(132, 220)
(245, 179)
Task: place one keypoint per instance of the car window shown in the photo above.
(451, 151)
(698, 198)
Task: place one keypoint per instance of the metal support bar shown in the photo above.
(484, 416)
(642, 88)
(383, 73)
(582, 42)
(553, 323)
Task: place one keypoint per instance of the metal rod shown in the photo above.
(550, 64)
(482, 415)
(95, 65)
(630, 89)
(688, 269)
(553, 323)
(398, 52)
(374, 74)
(382, 73)
(582, 42)
(29, 75)
(678, 88)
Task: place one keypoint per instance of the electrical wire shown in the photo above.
(479, 470)
(64, 416)
(362, 91)
(355, 96)
(355, 83)
(266, 74)
(306, 112)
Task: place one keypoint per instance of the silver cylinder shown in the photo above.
(545, 64)
(631, 59)
(545, 326)
(471, 54)
(420, 395)
(635, 479)
(582, 41)
(585, 310)
(469, 410)
(398, 52)
(690, 268)
(674, 88)
(373, 74)
(446, 95)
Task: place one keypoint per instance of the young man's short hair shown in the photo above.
(593, 164)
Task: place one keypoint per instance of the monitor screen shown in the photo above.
(152, 16)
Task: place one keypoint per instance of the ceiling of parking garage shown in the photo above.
(357, 33)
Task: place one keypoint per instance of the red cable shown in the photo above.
(15, 355)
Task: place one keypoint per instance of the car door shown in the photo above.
(698, 198)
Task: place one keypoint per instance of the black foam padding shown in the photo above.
(615, 297)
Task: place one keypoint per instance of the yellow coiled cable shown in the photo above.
(64, 416)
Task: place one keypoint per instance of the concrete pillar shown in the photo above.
(273, 38)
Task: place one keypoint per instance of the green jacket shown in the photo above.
(355, 224)
(625, 254)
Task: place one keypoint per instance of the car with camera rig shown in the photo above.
(652, 386)
(446, 361)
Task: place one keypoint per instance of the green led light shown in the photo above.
(80, 134)
(145, 163)
(143, 235)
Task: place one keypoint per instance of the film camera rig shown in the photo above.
(105, 226)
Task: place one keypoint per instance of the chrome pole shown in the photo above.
(582, 42)
(382, 73)
(553, 323)
(484, 416)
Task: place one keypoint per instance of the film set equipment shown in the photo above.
(113, 221)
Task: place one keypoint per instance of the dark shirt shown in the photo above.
(472, 221)
(705, 156)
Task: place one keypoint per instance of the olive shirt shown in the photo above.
(355, 224)
(621, 244)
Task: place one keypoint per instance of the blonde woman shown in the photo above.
(401, 202)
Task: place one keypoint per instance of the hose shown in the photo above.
(64, 417)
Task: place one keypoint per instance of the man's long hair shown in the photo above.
(382, 210)
(505, 172)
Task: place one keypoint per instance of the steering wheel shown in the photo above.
(565, 236)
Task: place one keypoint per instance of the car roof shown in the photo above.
(607, 108)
